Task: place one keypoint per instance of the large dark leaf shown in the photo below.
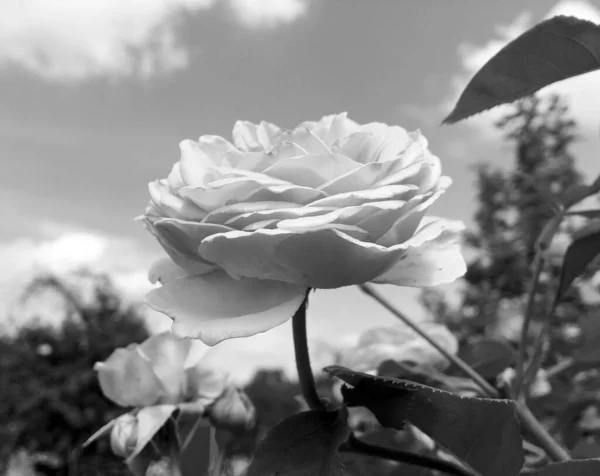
(303, 445)
(556, 49)
(582, 250)
(485, 433)
(582, 467)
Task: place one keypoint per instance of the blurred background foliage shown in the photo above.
(50, 402)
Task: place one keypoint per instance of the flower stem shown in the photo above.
(528, 420)
(305, 375)
(425, 461)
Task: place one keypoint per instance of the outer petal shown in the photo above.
(215, 307)
(326, 258)
(168, 355)
(164, 270)
(181, 240)
(433, 256)
(169, 205)
(127, 378)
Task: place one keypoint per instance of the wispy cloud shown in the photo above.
(582, 93)
(64, 249)
(267, 13)
(66, 40)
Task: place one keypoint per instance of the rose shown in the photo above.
(163, 369)
(249, 226)
(400, 344)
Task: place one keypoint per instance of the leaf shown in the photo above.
(582, 250)
(483, 432)
(582, 467)
(556, 49)
(304, 444)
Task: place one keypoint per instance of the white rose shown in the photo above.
(163, 369)
(249, 226)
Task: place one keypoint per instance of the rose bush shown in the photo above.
(249, 226)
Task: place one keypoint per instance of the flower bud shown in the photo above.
(124, 435)
(233, 411)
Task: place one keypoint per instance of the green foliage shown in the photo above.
(461, 424)
(556, 49)
(48, 388)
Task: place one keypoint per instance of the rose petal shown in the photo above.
(167, 355)
(215, 307)
(427, 177)
(205, 384)
(345, 216)
(228, 213)
(128, 379)
(196, 166)
(388, 228)
(255, 161)
(332, 128)
(360, 197)
(149, 421)
(323, 259)
(433, 256)
(245, 220)
(170, 205)
(242, 189)
(174, 179)
(198, 351)
(366, 176)
(301, 138)
(365, 147)
(181, 240)
(312, 170)
(164, 270)
(252, 137)
(216, 148)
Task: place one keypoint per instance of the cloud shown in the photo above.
(63, 250)
(581, 93)
(267, 13)
(67, 40)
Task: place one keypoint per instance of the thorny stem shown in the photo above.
(528, 420)
(305, 375)
(425, 461)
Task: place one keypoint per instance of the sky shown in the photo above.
(95, 96)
